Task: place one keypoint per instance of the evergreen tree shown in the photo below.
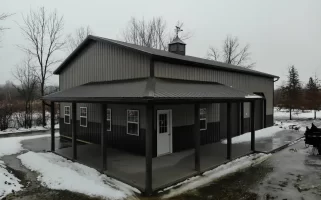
(291, 92)
(312, 95)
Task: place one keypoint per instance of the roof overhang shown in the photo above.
(151, 89)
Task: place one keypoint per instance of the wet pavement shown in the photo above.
(291, 174)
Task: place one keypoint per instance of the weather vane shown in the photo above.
(178, 29)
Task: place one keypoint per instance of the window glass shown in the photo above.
(133, 122)
(108, 119)
(203, 124)
(67, 115)
(83, 116)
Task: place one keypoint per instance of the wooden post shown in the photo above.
(197, 137)
(103, 136)
(74, 126)
(252, 126)
(229, 135)
(52, 120)
(149, 148)
(242, 118)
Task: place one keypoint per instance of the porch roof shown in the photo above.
(150, 89)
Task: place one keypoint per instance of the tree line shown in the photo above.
(293, 95)
(43, 33)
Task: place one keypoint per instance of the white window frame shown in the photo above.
(66, 114)
(204, 119)
(109, 120)
(133, 122)
(83, 117)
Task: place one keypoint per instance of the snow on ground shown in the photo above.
(300, 119)
(27, 130)
(12, 145)
(59, 173)
(209, 176)
(296, 114)
(8, 182)
(263, 133)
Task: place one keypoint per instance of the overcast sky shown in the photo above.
(280, 33)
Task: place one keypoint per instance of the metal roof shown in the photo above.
(177, 40)
(161, 54)
(149, 88)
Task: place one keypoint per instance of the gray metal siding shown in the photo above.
(183, 115)
(119, 112)
(241, 81)
(104, 62)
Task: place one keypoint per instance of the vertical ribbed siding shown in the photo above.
(104, 62)
(239, 81)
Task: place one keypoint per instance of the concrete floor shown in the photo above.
(167, 169)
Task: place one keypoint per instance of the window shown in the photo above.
(133, 122)
(67, 115)
(83, 116)
(203, 124)
(108, 119)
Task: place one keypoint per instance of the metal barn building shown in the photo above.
(153, 104)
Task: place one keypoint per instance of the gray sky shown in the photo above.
(280, 33)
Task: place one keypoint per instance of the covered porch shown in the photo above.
(167, 170)
(151, 172)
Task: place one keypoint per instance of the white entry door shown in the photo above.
(164, 132)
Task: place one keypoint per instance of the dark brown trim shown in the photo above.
(103, 116)
(155, 100)
(74, 130)
(229, 134)
(52, 120)
(197, 137)
(149, 148)
(242, 118)
(252, 126)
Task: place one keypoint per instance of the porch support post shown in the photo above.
(197, 137)
(242, 118)
(52, 120)
(264, 112)
(229, 135)
(252, 126)
(103, 135)
(74, 134)
(149, 148)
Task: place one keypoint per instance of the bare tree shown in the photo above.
(74, 40)
(232, 53)
(153, 33)
(6, 107)
(3, 16)
(44, 32)
(27, 79)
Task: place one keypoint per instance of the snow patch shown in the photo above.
(59, 173)
(27, 130)
(209, 176)
(8, 182)
(263, 133)
(296, 114)
(253, 96)
(12, 145)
